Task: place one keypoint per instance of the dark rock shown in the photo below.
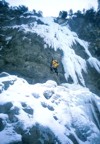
(28, 110)
(7, 84)
(44, 104)
(2, 124)
(15, 111)
(24, 104)
(47, 106)
(50, 108)
(92, 78)
(12, 118)
(55, 118)
(72, 137)
(48, 94)
(12, 114)
(38, 135)
(1, 87)
(5, 108)
(79, 50)
(95, 113)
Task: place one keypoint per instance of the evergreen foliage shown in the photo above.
(70, 13)
(18, 11)
(78, 13)
(87, 25)
(63, 14)
(4, 7)
(90, 16)
(6, 11)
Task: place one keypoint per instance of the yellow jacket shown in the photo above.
(55, 64)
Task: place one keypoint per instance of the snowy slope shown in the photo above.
(71, 111)
(61, 37)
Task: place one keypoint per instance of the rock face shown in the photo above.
(23, 53)
(87, 29)
(26, 56)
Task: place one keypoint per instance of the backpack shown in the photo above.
(55, 63)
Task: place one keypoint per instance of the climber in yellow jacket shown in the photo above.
(54, 66)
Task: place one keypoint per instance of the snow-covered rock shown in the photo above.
(47, 113)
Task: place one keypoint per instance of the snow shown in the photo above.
(65, 110)
(9, 136)
(8, 39)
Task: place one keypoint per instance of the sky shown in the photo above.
(52, 7)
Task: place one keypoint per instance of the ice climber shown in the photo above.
(54, 66)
